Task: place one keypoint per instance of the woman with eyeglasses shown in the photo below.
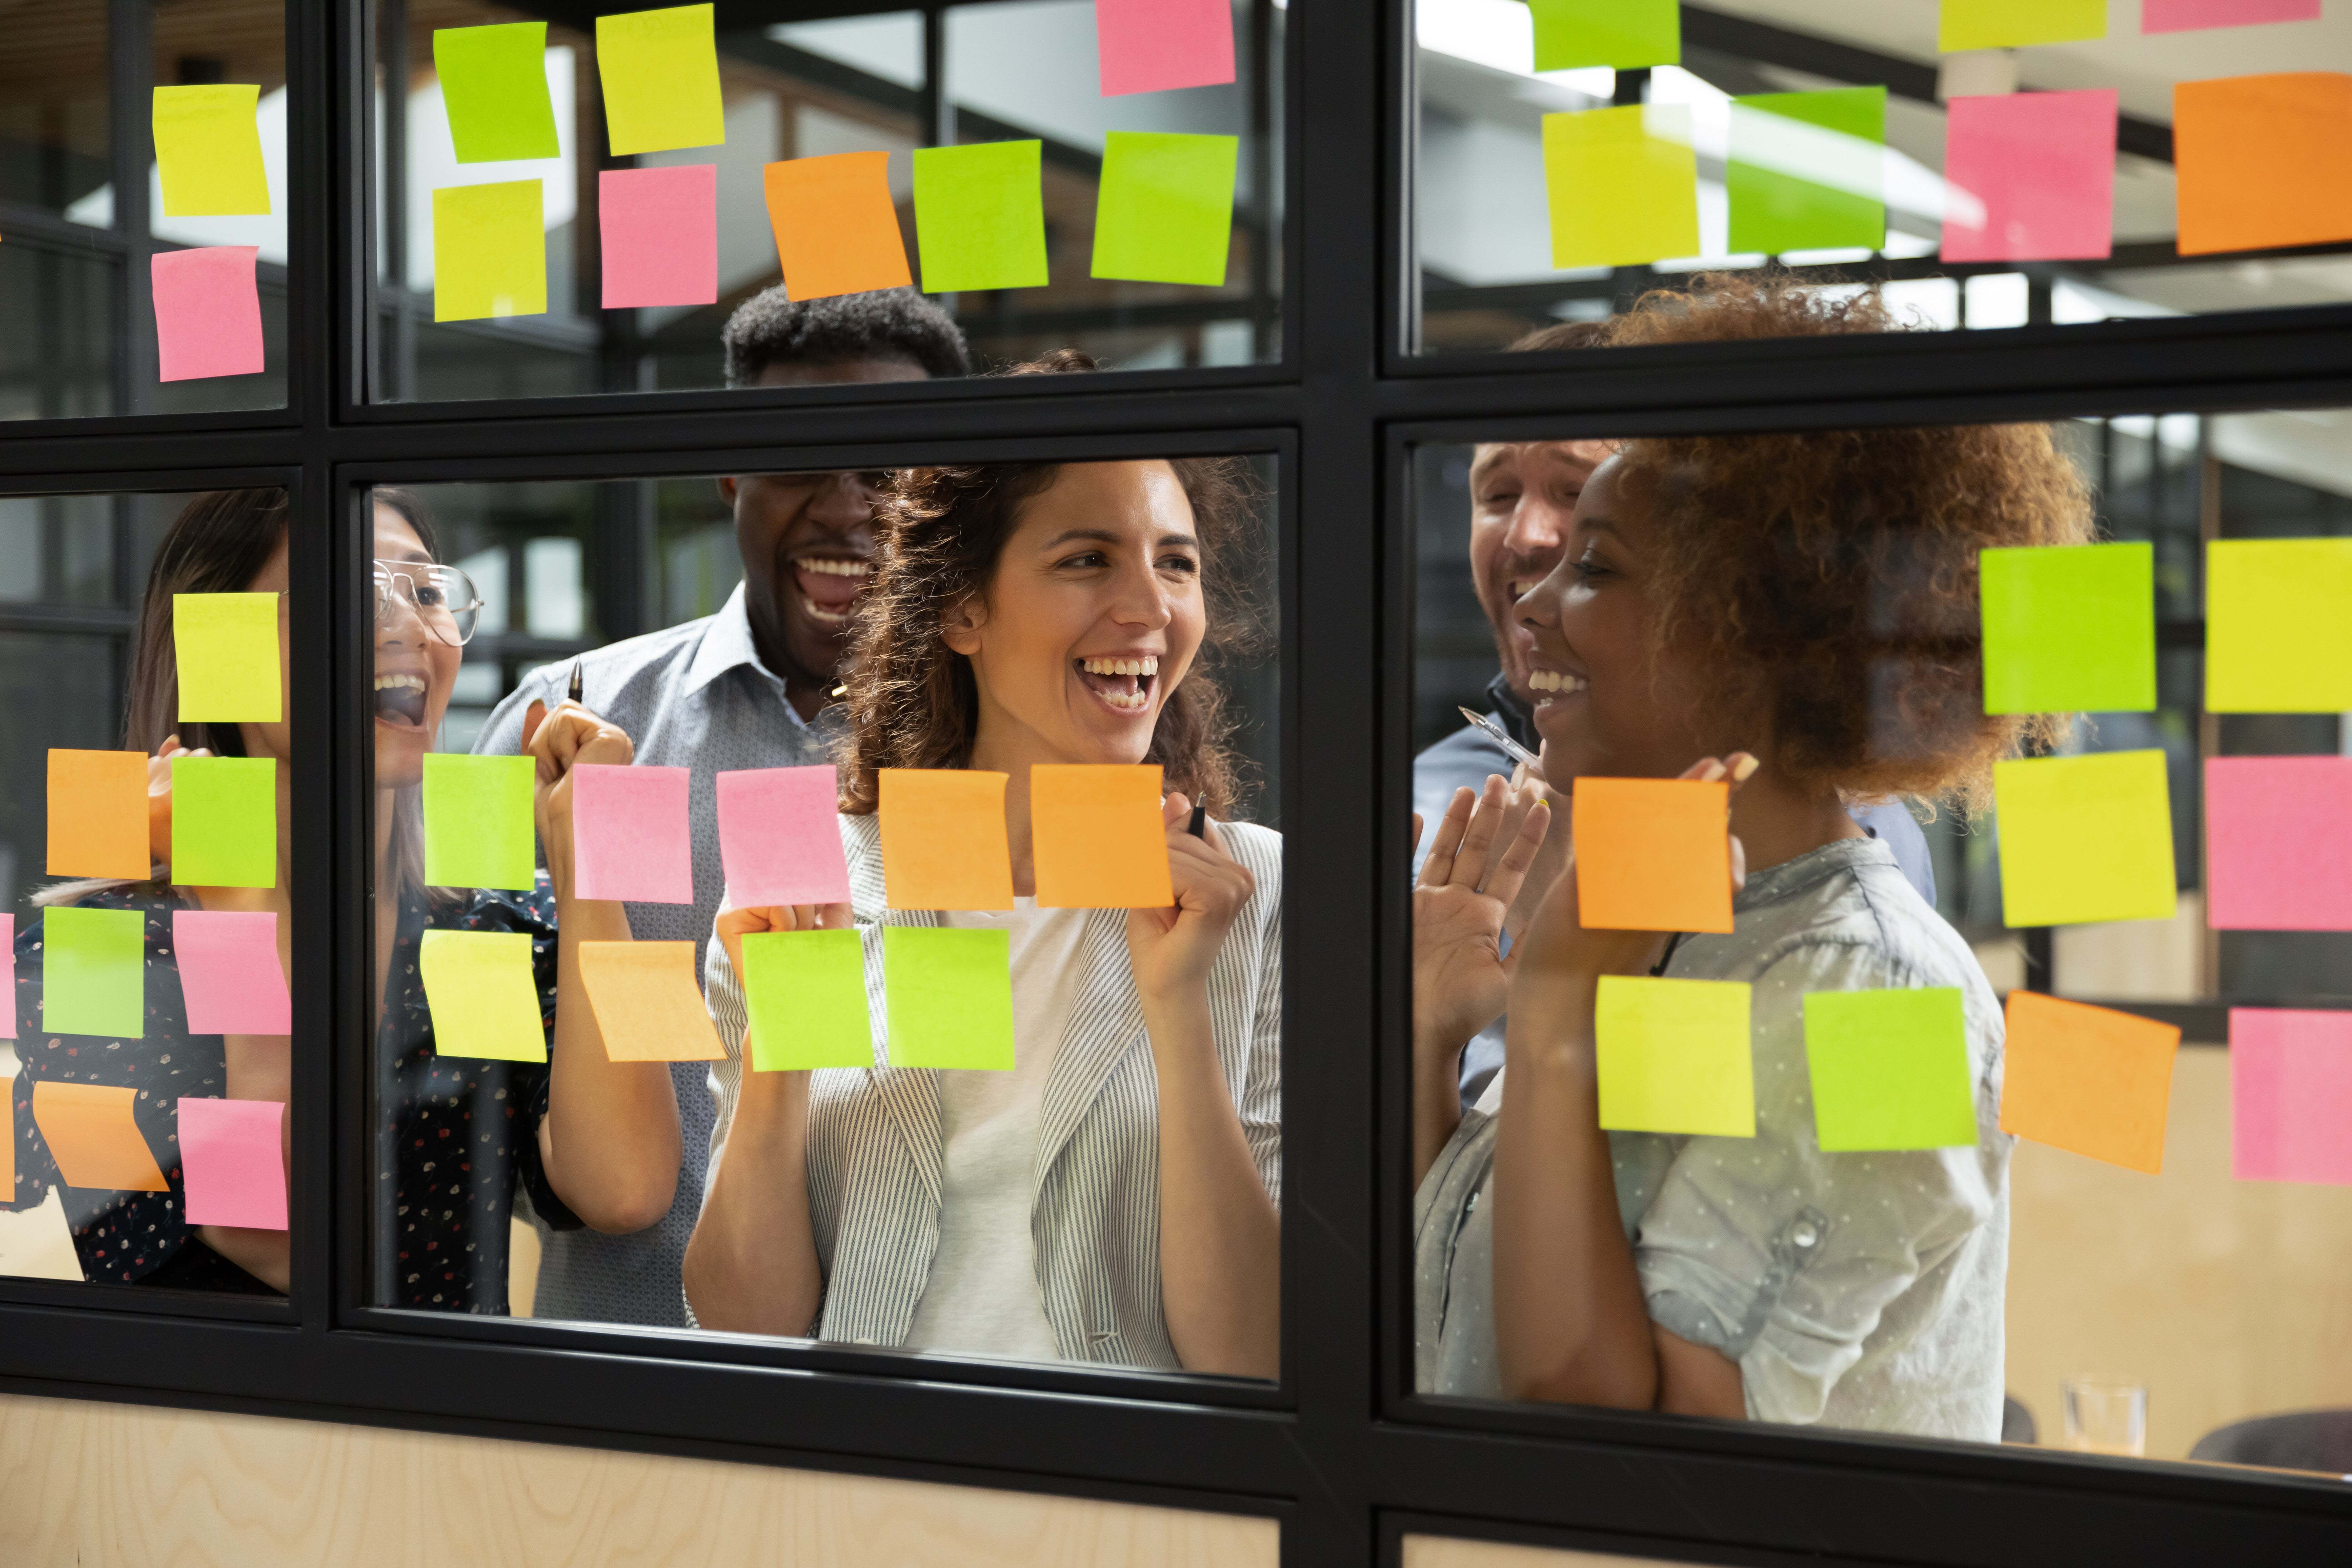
(593, 1142)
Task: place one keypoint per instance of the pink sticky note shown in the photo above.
(660, 232)
(2031, 176)
(1150, 45)
(207, 312)
(2278, 844)
(779, 837)
(2290, 1096)
(2189, 15)
(235, 1162)
(630, 836)
(229, 973)
(8, 974)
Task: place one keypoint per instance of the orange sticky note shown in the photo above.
(91, 1136)
(2264, 161)
(98, 815)
(1097, 833)
(1653, 855)
(648, 1007)
(836, 226)
(943, 843)
(2088, 1079)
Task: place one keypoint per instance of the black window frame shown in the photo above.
(1342, 1453)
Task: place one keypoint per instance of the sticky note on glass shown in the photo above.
(229, 974)
(2085, 839)
(780, 838)
(98, 815)
(2290, 1096)
(949, 997)
(943, 841)
(2088, 1079)
(90, 1134)
(1889, 1070)
(2278, 625)
(223, 822)
(2069, 628)
(630, 835)
(1806, 170)
(660, 75)
(1623, 185)
(483, 995)
(2264, 161)
(7, 987)
(2030, 177)
(980, 216)
(1673, 1055)
(1150, 46)
(1165, 212)
(1572, 34)
(659, 231)
(835, 224)
(1653, 854)
(478, 822)
(225, 650)
(208, 151)
(489, 251)
(648, 1006)
(2014, 24)
(1097, 835)
(494, 83)
(207, 312)
(2192, 16)
(804, 992)
(2278, 843)
(94, 971)
(233, 1159)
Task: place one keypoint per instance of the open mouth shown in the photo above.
(828, 586)
(400, 701)
(1124, 685)
(1547, 683)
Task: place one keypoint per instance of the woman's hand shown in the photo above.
(1171, 950)
(1462, 908)
(560, 741)
(159, 798)
(734, 924)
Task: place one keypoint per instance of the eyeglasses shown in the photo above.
(442, 597)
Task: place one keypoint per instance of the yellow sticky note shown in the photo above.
(227, 650)
(2013, 23)
(648, 1007)
(1097, 834)
(2085, 839)
(93, 1138)
(208, 151)
(943, 841)
(2278, 625)
(483, 995)
(1623, 184)
(1673, 1055)
(659, 70)
(489, 251)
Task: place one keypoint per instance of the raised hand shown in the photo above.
(734, 924)
(560, 741)
(1461, 911)
(1171, 950)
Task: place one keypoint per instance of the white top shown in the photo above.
(982, 1296)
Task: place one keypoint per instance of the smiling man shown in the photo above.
(747, 688)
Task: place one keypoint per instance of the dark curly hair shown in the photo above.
(772, 328)
(1829, 578)
(912, 701)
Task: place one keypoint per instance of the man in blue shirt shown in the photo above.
(750, 686)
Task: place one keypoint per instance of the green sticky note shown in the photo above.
(2085, 839)
(2278, 625)
(94, 971)
(483, 995)
(494, 86)
(478, 822)
(1673, 1055)
(805, 994)
(1890, 1069)
(660, 75)
(1628, 33)
(1806, 170)
(1166, 212)
(2069, 628)
(208, 151)
(1623, 184)
(949, 996)
(223, 822)
(980, 216)
(226, 648)
(489, 251)
(2013, 23)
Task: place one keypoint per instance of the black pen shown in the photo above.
(1200, 820)
(574, 695)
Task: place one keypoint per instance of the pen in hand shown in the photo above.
(1502, 738)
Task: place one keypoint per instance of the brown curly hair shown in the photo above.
(912, 701)
(1828, 577)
